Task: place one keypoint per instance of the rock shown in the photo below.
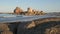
(31, 25)
(42, 13)
(29, 11)
(18, 10)
(6, 32)
(4, 29)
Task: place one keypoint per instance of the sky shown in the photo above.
(44, 5)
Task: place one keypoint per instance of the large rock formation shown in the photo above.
(18, 10)
(29, 11)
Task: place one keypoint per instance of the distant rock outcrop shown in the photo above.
(18, 10)
(29, 11)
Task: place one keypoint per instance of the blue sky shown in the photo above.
(45, 5)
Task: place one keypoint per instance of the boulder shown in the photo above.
(4, 29)
(29, 10)
(18, 10)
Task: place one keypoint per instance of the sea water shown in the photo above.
(15, 18)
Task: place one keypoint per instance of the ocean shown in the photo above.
(16, 18)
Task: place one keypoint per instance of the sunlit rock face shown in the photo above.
(18, 10)
(29, 11)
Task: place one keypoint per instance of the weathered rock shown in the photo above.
(53, 30)
(31, 25)
(4, 29)
(18, 10)
(6, 32)
(42, 13)
(29, 12)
